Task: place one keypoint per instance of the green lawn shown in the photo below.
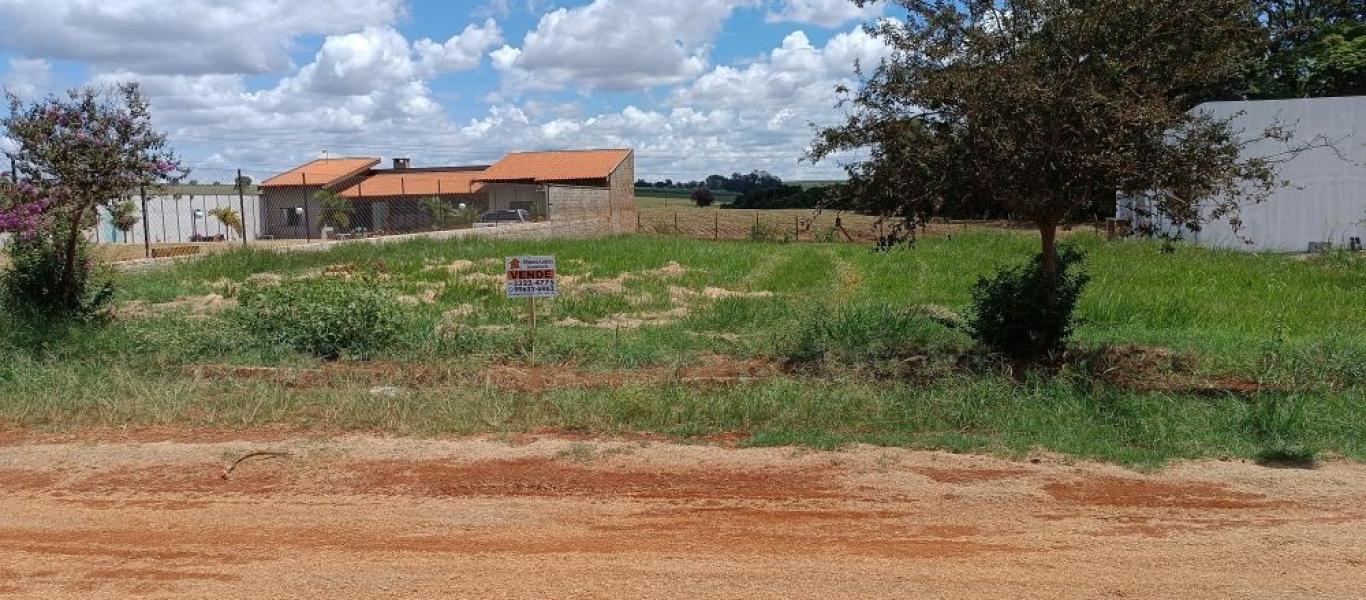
(1297, 325)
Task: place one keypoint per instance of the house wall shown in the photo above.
(274, 220)
(1326, 198)
(622, 208)
(584, 211)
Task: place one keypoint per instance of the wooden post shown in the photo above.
(796, 228)
(146, 228)
(675, 222)
(716, 225)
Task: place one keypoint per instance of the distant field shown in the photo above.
(1185, 355)
(675, 217)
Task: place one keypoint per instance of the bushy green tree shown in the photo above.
(703, 197)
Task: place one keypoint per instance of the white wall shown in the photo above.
(1326, 201)
(172, 220)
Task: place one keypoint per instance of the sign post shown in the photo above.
(531, 277)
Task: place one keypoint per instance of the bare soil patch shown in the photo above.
(555, 516)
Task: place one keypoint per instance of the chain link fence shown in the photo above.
(217, 208)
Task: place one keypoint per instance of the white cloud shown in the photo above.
(461, 52)
(824, 13)
(796, 76)
(617, 44)
(27, 77)
(181, 37)
(367, 91)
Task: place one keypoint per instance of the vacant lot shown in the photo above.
(1185, 355)
(528, 517)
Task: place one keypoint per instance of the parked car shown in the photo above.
(497, 218)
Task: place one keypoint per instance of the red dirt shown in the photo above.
(567, 518)
(1134, 493)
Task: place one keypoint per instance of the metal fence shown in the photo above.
(216, 207)
(792, 225)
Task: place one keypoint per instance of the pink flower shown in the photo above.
(164, 166)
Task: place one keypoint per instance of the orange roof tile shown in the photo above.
(564, 165)
(324, 172)
(420, 183)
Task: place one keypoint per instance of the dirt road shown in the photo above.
(553, 518)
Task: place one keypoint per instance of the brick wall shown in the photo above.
(622, 183)
(584, 210)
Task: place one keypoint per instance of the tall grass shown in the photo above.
(1297, 325)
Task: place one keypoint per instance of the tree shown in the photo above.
(242, 183)
(336, 210)
(73, 156)
(703, 197)
(124, 216)
(1048, 104)
(1311, 48)
(229, 218)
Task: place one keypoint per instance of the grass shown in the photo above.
(1294, 324)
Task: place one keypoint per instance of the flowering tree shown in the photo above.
(74, 156)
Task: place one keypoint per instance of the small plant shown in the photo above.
(330, 318)
(446, 216)
(124, 216)
(229, 218)
(765, 232)
(337, 210)
(1025, 315)
(1279, 423)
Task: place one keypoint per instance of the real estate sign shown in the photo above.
(530, 276)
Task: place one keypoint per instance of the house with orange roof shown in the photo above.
(290, 202)
(579, 186)
(589, 191)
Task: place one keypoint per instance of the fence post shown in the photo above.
(676, 232)
(146, 228)
(796, 228)
(308, 229)
(242, 205)
(716, 225)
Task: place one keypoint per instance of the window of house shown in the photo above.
(292, 218)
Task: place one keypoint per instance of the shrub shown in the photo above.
(1025, 316)
(29, 286)
(329, 318)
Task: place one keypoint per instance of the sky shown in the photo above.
(694, 86)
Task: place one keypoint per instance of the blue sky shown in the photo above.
(695, 87)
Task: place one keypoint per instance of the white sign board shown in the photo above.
(530, 276)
